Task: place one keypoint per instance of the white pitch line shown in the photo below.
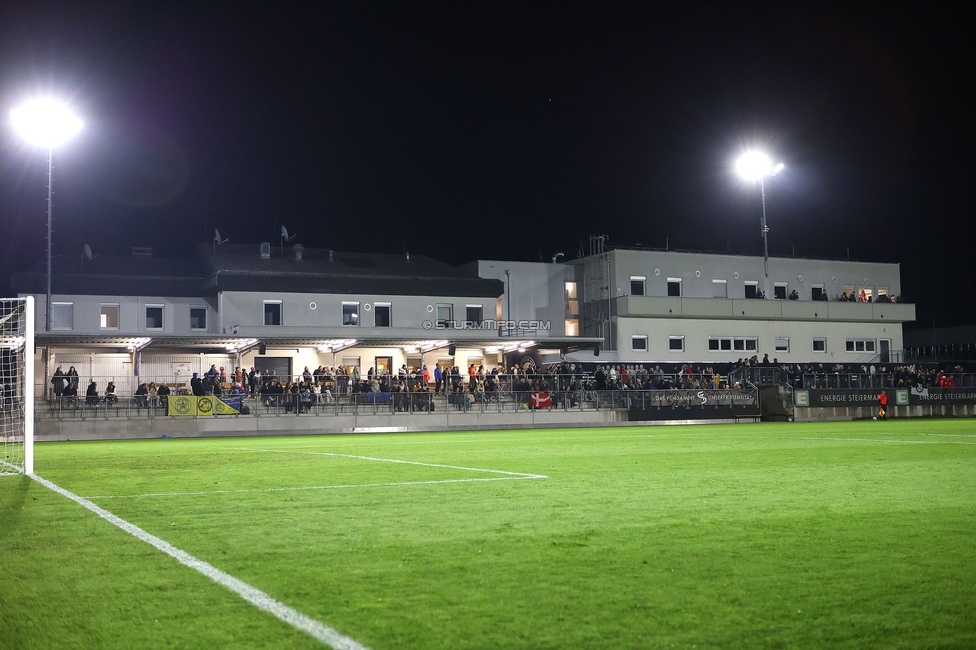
(393, 460)
(253, 595)
(313, 487)
(907, 442)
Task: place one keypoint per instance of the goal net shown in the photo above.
(17, 385)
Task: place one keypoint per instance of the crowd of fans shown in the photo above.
(415, 387)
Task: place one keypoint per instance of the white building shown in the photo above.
(140, 318)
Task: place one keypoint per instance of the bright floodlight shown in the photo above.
(45, 122)
(753, 166)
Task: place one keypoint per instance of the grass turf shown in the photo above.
(839, 535)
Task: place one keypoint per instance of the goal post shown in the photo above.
(17, 385)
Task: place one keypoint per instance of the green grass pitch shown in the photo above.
(839, 535)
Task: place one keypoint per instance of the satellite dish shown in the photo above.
(284, 234)
(88, 253)
(217, 240)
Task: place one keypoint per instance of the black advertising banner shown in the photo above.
(919, 396)
(694, 405)
(896, 397)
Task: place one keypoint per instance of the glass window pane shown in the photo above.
(272, 313)
(381, 315)
(110, 317)
(62, 316)
(198, 318)
(154, 318)
(350, 313)
(713, 344)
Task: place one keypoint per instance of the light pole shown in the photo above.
(46, 123)
(756, 166)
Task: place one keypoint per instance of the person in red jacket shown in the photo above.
(883, 405)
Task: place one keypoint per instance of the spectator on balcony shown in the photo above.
(213, 372)
(59, 380)
(196, 386)
(141, 394)
(110, 396)
(794, 295)
(163, 393)
(70, 394)
(91, 395)
(73, 379)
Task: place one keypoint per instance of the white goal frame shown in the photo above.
(22, 401)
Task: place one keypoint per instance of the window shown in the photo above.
(724, 344)
(474, 315)
(351, 362)
(782, 344)
(860, 345)
(637, 285)
(572, 307)
(154, 317)
(849, 294)
(779, 290)
(817, 292)
(638, 343)
(572, 327)
(109, 317)
(819, 345)
(198, 318)
(381, 314)
(272, 312)
(674, 286)
(676, 343)
(445, 315)
(350, 313)
(752, 289)
(865, 295)
(62, 316)
(720, 288)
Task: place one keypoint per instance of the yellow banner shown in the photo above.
(223, 408)
(201, 406)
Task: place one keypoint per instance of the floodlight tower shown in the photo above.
(46, 123)
(756, 166)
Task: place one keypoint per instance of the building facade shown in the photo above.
(279, 309)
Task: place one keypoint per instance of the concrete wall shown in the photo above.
(537, 290)
(800, 333)
(697, 270)
(243, 312)
(447, 420)
(132, 314)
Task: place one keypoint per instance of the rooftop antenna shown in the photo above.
(217, 240)
(285, 238)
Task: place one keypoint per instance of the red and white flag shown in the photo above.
(542, 400)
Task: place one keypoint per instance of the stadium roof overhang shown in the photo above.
(230, 343)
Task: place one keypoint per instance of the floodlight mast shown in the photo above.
(752, 166)
(46, 123)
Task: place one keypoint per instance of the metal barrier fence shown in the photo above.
(84, 408)
(341, 385)
(852, 380)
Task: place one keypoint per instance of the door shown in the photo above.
(280, 365)
(384, 365)
(885, 350)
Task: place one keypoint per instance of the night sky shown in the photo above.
(502, 130)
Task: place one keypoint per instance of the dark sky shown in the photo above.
(513, 130)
